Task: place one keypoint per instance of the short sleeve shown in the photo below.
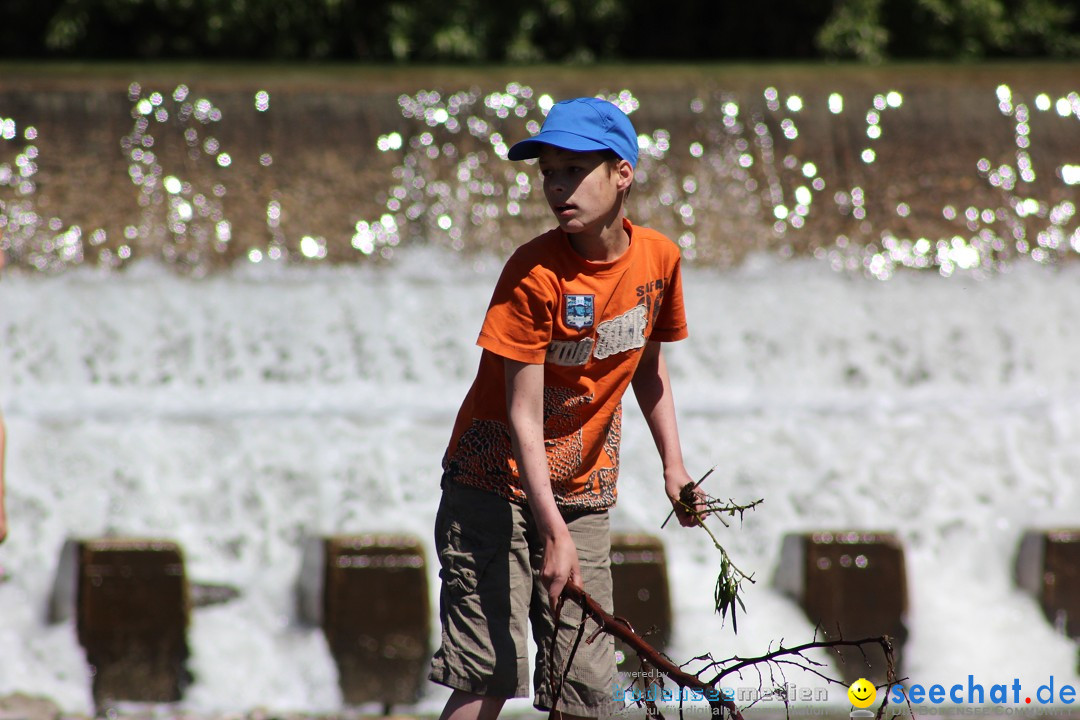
(519, 319)
(670, 324)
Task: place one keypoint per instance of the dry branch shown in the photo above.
(621, 629)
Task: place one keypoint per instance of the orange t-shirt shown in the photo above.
(587, 322)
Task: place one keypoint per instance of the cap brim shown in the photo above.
(528, 149)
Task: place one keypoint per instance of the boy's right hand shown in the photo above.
(560, 565)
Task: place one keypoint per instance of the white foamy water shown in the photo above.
(239, 413)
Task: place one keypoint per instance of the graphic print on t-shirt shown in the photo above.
(599, 490)
(626, 332)
(569, 353)
(484, 451)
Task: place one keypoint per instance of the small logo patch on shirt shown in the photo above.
(578, 310)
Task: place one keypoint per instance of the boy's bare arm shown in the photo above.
(652, 387)
(525, 409)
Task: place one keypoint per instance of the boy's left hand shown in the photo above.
(675, 480)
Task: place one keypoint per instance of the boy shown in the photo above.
(577, 315)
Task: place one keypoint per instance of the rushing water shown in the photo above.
(238, 410)
(238, 413)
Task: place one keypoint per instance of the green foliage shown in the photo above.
(963, 28)
(574, 31)
(727, 593)
(1045, 28)
(855, 30)
(872, 30)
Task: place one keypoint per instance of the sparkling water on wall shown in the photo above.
(266, 392)
(904, 170)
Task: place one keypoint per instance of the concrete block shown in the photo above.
(1048, 566)
(369, 593)
(131, 615)
(640, 587)
(20, 706)
(851, 584)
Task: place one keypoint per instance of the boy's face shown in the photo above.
(583, 189)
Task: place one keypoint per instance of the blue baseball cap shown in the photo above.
(583, 125)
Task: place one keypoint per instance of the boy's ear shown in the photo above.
(625, 171)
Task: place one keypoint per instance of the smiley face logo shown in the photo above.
(862, 693)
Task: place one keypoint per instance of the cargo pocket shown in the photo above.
(463, 556)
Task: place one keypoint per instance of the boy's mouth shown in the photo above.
(564, 209)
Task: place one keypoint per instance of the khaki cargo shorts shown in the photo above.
(490, 556)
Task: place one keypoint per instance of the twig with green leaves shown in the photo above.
(702, 506)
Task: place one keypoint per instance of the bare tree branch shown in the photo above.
(775, 660)
(621, 629)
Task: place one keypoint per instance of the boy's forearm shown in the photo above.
(525, 411)
(652, 387)
(528, 444)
